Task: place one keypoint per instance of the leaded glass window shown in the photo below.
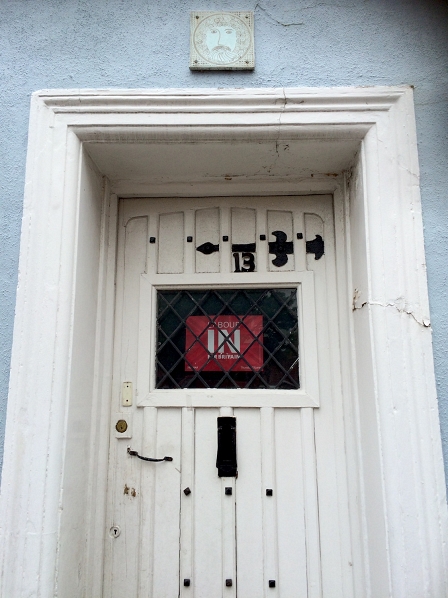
(239, 338)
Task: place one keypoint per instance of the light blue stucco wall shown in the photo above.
(145, 43)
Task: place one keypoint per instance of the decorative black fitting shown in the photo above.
(186, 582)
(229, 583)
(187, 491)
(207, 248)
(226, 457)
(316, 246)
(189, 239)
(225, 238)
(272, 583)
(243, 247)
(262, 237)
(281, 247)
(152, 239)
(269, 492)
(228, 491)
(135, 454)
(300, 235)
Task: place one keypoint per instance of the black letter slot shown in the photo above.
(226, 457)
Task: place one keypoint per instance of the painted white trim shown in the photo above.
(399, 476)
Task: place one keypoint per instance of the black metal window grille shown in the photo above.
(266, 318)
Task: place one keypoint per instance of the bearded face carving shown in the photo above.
(221, 44)
(222, 40)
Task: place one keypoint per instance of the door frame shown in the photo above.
(57, 430)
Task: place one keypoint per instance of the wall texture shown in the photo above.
(145, 43)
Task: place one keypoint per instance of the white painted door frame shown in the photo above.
(54, 475)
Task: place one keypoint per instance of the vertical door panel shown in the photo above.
(171, 243)
(329, 436)
(207, 231)
(280, 222)
(147, 498)
(165, 583)
(249, 504)
(243, 233)
(208, 574)
(122, 552)
(228, 536)
(312, 524)
(268, 477)
(289, 491)
(243, 225)
(228, 497)
(187, 497)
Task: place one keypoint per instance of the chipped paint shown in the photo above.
(399, 304)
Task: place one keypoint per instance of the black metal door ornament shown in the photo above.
(281, 248)
(207, 248)
(135, 454)
(316, 246)
(226, 457)
(244, 247)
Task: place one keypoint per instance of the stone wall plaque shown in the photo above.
(222, 41)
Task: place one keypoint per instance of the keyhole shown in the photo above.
(114, 531)
(121, 426)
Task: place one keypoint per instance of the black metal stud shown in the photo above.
(186, 583)
(272, 583)
(269, 492)
(229, 583)
(152, 239)
(189, 239)
(225, 238)
(300, 235)
(228, 490)
(187, 491)
(262, 237)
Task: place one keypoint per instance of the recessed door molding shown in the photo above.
(88, 148)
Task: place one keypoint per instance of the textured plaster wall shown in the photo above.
(145, 43)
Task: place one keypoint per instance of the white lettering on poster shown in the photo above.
(218, 339)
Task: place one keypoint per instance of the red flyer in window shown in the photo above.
(216, 343)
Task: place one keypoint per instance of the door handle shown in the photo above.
(226, 457)
(135, 454)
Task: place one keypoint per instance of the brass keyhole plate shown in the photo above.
(121, 426)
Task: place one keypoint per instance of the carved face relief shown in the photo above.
(221, 40)
(221, 43)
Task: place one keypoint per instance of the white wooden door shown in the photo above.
(281, 528)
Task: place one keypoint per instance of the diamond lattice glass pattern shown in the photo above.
(243, 338)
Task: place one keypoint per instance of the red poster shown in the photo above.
(216, 343)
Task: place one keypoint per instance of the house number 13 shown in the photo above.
(246, 264)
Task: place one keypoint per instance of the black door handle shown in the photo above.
(135, 454)
(226, 457)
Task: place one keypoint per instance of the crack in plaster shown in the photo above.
(399, 304)
(258, 5)
(312, 7)
(331, 5)
(268, 169)
(398, 159)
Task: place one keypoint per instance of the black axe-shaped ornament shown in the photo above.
(316, 246)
